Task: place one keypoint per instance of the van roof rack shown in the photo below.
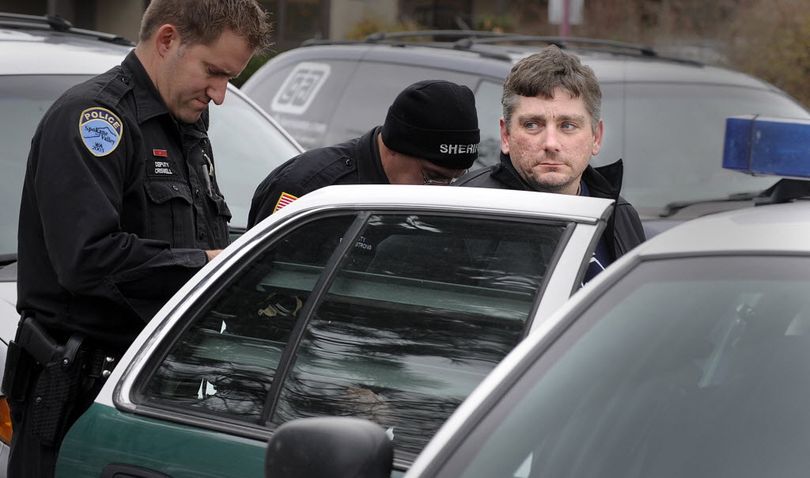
(489, 44)
(59, 24)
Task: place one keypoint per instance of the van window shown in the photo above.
(302, 97)
(372, 90)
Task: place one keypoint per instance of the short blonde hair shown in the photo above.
(203, 21)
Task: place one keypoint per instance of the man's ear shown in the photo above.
(597, 138)
(166, 38)
(504, 135)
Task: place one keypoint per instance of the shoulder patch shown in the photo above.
(101, 130)
(283, 200)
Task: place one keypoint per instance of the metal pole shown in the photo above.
(565, 24)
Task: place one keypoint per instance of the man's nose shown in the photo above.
(216, 91)
(551, 139)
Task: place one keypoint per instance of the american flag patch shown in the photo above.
(286, 198)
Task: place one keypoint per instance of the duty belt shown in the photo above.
(43, 348)
(100, 363)
(35, 340)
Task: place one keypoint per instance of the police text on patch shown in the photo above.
(100, 130)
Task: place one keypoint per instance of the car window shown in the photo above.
(246, 148)
(682, 123)
(399, 326)
(224, 361)
(372, 89)
(402, 337)
(488, 104)
(646, 383)
(302, 97)
(612, 115)
(23, 102)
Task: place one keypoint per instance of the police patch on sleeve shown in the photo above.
(101, 130)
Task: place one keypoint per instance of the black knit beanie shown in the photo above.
(434, 120)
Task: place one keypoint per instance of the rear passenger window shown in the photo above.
(224, 362)
(394, 317)
(421, 309)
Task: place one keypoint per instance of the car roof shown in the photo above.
(777, 228)
(49, 46)
(498, 201)
(621, 63)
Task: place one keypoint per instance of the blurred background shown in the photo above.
(769, 39)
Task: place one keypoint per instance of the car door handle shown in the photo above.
(120, 470)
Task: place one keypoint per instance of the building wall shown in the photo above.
(122, 17)
(345, 14)
(28, 7)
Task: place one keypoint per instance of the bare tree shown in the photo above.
(771, 40)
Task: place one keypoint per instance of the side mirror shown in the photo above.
(322, 447)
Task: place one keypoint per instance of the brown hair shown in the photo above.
(538, 74)
(203, 21)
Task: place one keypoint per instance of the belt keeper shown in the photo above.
(100, 365)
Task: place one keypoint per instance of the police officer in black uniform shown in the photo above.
(430, 136)
(120, 207)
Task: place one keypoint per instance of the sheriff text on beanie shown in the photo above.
(434, 120)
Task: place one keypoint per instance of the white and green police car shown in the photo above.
(385, 302)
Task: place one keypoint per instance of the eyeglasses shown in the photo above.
(439, 179)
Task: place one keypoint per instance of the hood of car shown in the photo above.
(786, 231)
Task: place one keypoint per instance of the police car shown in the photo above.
(690, 356)
(386, 302)
(40, 58)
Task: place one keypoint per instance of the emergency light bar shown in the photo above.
(759, 145)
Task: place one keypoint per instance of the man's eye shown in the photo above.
(568, 126)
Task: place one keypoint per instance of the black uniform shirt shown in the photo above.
(356, 161)
(118, 205)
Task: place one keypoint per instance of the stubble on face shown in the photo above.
(550, 141)
(197, 74)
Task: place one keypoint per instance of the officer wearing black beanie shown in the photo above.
(430, 136)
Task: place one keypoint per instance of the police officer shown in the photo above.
(120, 207)
(550, 128)
(430, 136)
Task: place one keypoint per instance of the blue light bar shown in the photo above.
(768, 146)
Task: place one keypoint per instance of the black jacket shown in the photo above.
(356, 161)
(624, 230)
(118, 205)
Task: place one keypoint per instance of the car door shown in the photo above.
(384, 302)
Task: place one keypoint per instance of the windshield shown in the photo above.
(246, 145)
(648, 384)
(671, 139)
(23, 102)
